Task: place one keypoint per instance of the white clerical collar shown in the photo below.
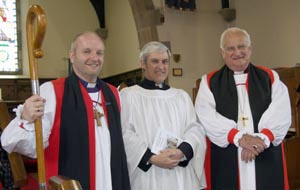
(238, 72)
(91, 85)
(159, 85)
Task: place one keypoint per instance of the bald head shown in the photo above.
(74, 43)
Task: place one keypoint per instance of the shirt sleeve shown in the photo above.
(19, 135)
(219, 129)
(276, 120)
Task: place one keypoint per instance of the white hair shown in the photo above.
(151, 47)
(234, 30)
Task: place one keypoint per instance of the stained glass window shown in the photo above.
(183, 5)
(9, 43)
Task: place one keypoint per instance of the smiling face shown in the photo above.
(236, 50)
(87, 56)
(156, 66)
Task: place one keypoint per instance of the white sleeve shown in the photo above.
(217, 127)
(194, 135)
(135, 145)
(19, 135)
(277, 118)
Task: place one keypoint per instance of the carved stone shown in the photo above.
(228, 14)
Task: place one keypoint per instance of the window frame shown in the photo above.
(17, 31)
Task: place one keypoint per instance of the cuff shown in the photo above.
(231, 135)
(264, 137)
(188, 152)
(237, 137)
(22, 123)
(268, 133)
(144, 163)
(18, 110)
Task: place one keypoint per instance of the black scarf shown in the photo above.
(74, 160)
(222, 85)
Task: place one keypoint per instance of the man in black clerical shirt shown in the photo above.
(164, 144)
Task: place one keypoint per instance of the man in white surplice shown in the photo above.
(245, 110)
(165, 146)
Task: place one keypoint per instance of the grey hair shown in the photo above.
(234, 30)
(151, 47)
(74, 41)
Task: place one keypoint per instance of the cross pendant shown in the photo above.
(244, 118)
(97, 116)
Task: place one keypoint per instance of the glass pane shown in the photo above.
(9, 57)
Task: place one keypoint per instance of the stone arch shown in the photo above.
(146, 19)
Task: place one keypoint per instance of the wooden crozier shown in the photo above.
(36, 28)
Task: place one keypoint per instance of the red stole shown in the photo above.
(52, 151)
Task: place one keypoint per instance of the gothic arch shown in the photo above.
(146, 19)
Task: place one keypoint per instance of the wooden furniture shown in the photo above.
(129, 78)
(17, 89)
(15, 159)
(195, 90)
(121, 86)
(291, 78)
(63, 183)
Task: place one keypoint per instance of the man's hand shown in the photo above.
(247, 155)
(168, 158)
(252, 146)
(33, 108)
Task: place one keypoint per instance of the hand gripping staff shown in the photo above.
(34, 43)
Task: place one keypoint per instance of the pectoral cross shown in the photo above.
(244, 118)
(97, 116)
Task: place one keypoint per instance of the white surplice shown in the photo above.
(17, 139)
(144, 112)
(277, 118)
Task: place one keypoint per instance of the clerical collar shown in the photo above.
(241, 72)
(238, 72)
(150, 85)
(91, 87)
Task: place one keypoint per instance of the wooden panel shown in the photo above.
(15, 159)
(129, 78)
(62, 182)
(291, 78)
(9, 90)
(17, 89)
(292, 154)
(23, 88)
(195, 90)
